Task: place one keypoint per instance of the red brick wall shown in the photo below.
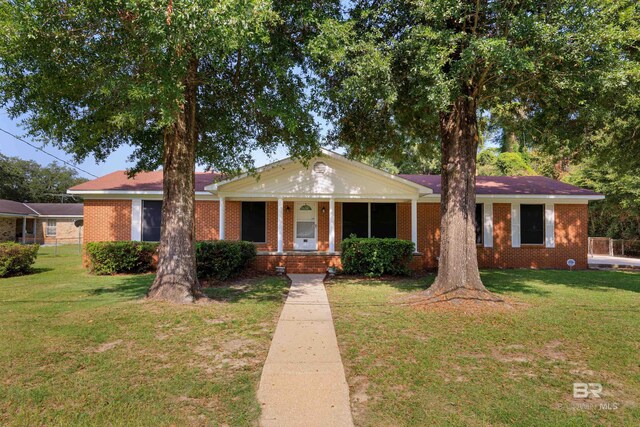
(107, 220)
(207, 219)
(111, 220)
(571, 235)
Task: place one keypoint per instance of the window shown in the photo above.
(254, 224)
(369, 220)
(479, 223)
(51, 227)
(151, 220)
(532, 224)
(383, 220)
(355, 219)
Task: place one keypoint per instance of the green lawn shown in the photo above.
(79, 349)
(442, 367)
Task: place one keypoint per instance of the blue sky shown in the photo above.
(118, 160)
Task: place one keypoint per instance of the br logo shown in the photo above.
(584, 390)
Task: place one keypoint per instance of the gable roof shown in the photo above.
(143, 181)
(382, 177)
(510, 185)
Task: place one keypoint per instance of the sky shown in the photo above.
(12, 147)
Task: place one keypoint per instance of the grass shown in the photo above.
(435, 367)
(79, 349)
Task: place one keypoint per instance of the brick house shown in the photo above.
(297, 216)
(42, 223)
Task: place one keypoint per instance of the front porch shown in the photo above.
(298, 215)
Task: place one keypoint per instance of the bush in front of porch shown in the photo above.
(376, 257)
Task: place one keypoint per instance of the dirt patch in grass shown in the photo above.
(106, 346)
(359, 394)
(236, 353)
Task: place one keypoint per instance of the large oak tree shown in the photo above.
(184, 82)
(425, 70)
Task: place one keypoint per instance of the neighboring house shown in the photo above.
(297, 216)
(43, 223)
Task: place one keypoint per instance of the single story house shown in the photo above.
(297, 215)
(42, 223)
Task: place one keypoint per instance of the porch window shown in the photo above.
(479, 223)
(254, 222)
(532, 224)
(151, 220)
(52, 226)
(369, 220)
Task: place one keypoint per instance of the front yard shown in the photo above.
(415, 367)
(81, 349)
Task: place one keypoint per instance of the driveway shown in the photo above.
(606, 261)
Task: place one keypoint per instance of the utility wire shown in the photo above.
(48, 154)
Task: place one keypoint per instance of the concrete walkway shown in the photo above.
(606, 261)
(303, 382)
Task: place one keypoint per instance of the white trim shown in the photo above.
(221, 230)
(414, 223)
(549, 225)
(487, 225)
(515, 225)
(24, 230)
(136, 219)
(280, 225)
(332, 225)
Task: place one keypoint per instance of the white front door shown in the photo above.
(306, 226)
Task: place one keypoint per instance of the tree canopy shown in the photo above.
(27, 181)
(91, 75)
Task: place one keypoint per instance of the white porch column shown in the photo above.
(35, 230)
(280, 225)
(332, 225)
(222, 221)
(24, 229)
(414, 223)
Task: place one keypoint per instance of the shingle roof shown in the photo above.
(14, 208)
(507, 185)
(143, 181)
(9, 207)
(55, 209)
(496, 185)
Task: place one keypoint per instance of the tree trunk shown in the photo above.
(458, 275)
(176, 278)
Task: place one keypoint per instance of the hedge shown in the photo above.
(223, 259)
(16, 259)
(376, 257)
(218, 259)
(121, 257)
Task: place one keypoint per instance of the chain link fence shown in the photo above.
(614, 247)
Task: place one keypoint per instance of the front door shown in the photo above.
(306, 227)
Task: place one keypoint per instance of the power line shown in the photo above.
(48, 154)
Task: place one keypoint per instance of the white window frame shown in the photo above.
(49, 227)
(548, 240)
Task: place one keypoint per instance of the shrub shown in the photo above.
(121, 257)
(16, 259)
(376, 257)
(222, 259)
